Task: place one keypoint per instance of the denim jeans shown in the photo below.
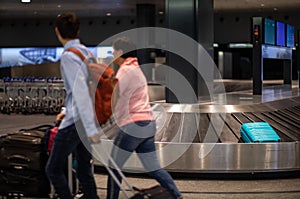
(67, 141)
(125, 144)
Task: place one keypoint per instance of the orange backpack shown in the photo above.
(101, 85)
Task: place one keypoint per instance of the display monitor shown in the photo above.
(29, 55)
(10, 57)
(280, 33)
(104, 52)
(269, 31)
(290, 36)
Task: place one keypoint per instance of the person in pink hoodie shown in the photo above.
(134, 117)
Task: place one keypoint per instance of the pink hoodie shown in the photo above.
(132, 102)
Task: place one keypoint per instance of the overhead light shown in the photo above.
(25, 1)
(161, 12)
(108, 14)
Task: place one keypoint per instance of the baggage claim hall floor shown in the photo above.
(195, 185)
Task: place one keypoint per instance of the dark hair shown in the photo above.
(68, 25)
(126, 45)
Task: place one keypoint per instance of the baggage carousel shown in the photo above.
(205, 138)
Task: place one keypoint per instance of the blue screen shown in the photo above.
(290, 36)
(269, 31)
(280, 34)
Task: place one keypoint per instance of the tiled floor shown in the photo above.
(197, 188)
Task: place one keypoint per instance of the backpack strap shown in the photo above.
(77, 52)
(83, 58)
(106, 73)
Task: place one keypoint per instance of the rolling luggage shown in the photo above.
(23, 183)
(24, 149)
(22, 164)
(154, 192)
(23, 157)
(258, 132)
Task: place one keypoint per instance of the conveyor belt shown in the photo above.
(187, 141)
(205, 140)
(192, 127)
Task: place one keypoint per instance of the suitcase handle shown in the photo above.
(20, 157)
(114, 164)
(43, 126)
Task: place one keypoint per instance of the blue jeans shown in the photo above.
(125, 144)
(67, 141)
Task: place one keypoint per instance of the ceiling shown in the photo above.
(92, 8)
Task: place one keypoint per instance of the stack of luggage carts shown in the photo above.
(30, 95)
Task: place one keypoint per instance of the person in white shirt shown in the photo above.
(78, 127)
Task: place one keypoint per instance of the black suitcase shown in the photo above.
(24, 149)
(155, 192)
(22, 163)
(25, 183)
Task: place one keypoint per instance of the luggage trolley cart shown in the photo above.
(10, 93)
(58, 95)
(54, 99)
(35, 96)
(2, 94)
